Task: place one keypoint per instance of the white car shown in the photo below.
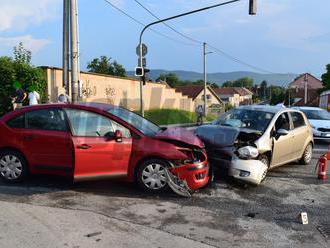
(319, 120)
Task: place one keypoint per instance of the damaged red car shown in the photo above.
(93, 141)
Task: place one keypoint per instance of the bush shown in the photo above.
(173, 116)
(10, 71)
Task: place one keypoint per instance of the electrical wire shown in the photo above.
(216, 50)
(142, 24)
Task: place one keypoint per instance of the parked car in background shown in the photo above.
(92, 141)
(249, 140)
(319, 120)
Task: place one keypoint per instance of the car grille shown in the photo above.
(200, 176)
(324, 129)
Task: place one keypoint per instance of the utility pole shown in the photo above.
(66, 37)
(205, 79)
(74, 52)
(305, 86)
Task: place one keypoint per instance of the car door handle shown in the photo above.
(84, 146)
(28, 137)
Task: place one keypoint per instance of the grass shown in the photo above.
(173, 116)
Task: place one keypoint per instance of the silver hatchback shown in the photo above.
(252, 139)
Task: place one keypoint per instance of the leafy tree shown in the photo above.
(263, 89)
(326, 78)
(228, 84)
(103, 65)
(243, 82)
(22, 55)
(19, 69)
(277, 95)
(170, 78)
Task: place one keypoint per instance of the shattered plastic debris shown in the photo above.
(178, 186)
(303, 218)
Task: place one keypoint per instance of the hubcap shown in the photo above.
(308, 154)
(10, 167)
(154, 177)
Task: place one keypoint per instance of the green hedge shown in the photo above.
(173, 116)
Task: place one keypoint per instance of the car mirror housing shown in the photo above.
(118, 135)
(282, 132)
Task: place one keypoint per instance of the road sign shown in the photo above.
(144, 62)
(144, 50)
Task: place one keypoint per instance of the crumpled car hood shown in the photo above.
(224, 136)
(219, 136)
(181, 135)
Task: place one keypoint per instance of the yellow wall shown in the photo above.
(120, 91)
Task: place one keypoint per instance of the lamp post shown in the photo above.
(252, 11)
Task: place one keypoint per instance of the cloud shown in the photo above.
(19, 14)
(30, 43)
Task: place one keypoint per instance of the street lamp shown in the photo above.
(252, 11)
(205, 75)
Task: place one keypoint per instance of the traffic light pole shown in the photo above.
(252, 11)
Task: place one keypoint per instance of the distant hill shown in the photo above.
(220, 77)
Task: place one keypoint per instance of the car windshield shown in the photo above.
(244, 118)
(146, 127)
(316, 114)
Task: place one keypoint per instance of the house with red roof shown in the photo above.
(235, 96)
(196, 93)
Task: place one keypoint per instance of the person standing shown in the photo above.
(200, 113)
(63, 98)
(34, 96)
(18, 96)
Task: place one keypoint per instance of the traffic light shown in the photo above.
(145, 77)
(253, 7)
(139, 71)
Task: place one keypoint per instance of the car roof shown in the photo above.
(91, 105)
(264, 108)
(308, 108)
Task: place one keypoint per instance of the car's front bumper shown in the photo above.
(196, 175)
(251, 171)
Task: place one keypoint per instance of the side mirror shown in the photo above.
(118, 136)
(282, 132)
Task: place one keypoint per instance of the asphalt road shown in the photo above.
(51, 212)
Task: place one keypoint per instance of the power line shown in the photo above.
(142, 24)
(217, 50)
(167, 25)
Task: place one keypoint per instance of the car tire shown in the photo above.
(13, 166)
(307, 155)
(151, 175)
(265, 160)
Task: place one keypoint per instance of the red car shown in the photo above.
(91, 141)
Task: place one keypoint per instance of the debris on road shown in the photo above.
(93, 234)
(303, 218)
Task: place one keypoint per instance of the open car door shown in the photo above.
(102, 147)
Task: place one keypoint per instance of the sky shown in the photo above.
(285, 35)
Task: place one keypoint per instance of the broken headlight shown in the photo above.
(248, 152)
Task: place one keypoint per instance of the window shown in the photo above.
(88, 124)
(297, 119)
(46, 119)
(17, 122)
(282, 122)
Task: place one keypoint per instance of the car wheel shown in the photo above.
(307, 155)
(151, 175)
(13, 166)
(265, 160)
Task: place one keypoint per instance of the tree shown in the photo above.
(326, 78)
(103, 65)
(277, 95)
(263, 90)
(170, 78)
(228, 84)
(19, 69)
(243, 82)
(22, 55)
